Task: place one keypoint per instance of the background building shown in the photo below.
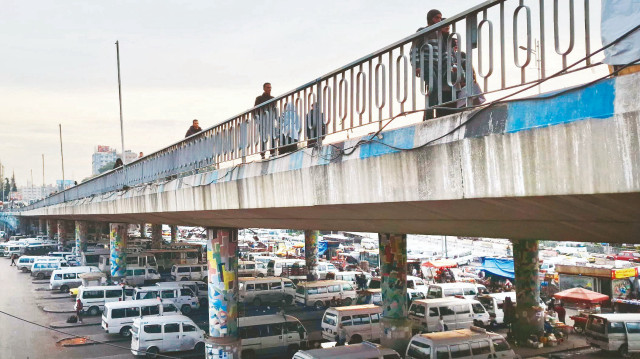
(102, 156)
(30, 194)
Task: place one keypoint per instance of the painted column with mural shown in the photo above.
(222, 260)
(393, 273)
(311, 252)
(62, 233)
(52, 229)
(174, 233)
(118, 237)
(42, 226)
(82, 235)
(529, 316)
(156, 236)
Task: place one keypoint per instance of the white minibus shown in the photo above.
(443, 290)
(325, 267)
(201, 289)
(365, 350)
(67, 278)
(275, 266)
(183, 298)
(619, 332)
(189, 272)
(457, 313)
(271, 335)
(266, 290)
(152, 335)
(25, 263)
(469, 343)
(325, 293)
(118, 317)
(43, 269)
(94, 298)
(360, 322)
(141, 276)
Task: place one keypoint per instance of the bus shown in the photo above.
(166, 258)
(372, 256)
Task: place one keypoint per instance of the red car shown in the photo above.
(630, 256)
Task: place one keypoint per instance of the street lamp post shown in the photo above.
(538, 65)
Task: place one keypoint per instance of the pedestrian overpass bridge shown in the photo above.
(555, 168)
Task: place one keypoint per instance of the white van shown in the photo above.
(365, 350)
(16, 249)
(118, 317)
(494, 303)
(94, 298)
(361, 322)
(260, 291)
(443, 290)
(251, 269)
(139, 259)
(141, 276)
(417, 283)
(183, 298)
(189, 272)
(275, 266)
(614, 332)
(464, 344)
(374, 296)
(67, 278)
(457, 313)
(350, 276)
(201, 289)
(43, 269)
(152, 335)
(325, 267)
(322, 293)
(271, 335)
(25, 263)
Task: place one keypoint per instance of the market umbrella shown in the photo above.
(441, 263)
(581, 295)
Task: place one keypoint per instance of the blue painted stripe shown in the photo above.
(295, 160)
(596, 101)
(401, 138)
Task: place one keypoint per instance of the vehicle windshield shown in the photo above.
(330, 318)
(300, 290)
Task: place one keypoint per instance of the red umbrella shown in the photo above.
(581, 295)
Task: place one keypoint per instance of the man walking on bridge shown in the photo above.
(195, 128)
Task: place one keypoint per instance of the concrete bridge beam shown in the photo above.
(529, 317)
(393, 272)
(311, 253)
(222, 260)
(118, 237)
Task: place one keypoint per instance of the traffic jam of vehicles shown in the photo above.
(460, 298)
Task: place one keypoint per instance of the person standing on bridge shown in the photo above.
(266, 129)
(195, 128)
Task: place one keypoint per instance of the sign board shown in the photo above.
(624, 273)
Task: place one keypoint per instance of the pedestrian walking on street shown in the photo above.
(78, 308)
(13, 259)
(562, 313)
(195, 128)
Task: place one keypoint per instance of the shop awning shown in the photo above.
(502, 267)
(581, 295)
(441, 263)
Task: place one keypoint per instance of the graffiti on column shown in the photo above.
(117, 245)
(82, 232)
(156, 236)
(525, 253)
(51, 227)
(311, 250)
(62, 233)
(223, 264)
(393, 270)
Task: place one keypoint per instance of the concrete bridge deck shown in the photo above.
(564, 167)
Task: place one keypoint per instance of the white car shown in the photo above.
(152, 335)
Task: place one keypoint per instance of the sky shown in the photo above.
(180, 60)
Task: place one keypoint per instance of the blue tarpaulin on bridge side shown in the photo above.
(499, 266)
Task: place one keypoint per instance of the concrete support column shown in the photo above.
(528, 320)
(222, 260)
(82, 235)
(117, 244)
(52, 229)
(42, 226)
(393, 271)
(62, 233)
(23, 225)
(143, 230)
(156, 236)
(311, 253)
(174, 233)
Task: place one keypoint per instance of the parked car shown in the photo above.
(153, 335)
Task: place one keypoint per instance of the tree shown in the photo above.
(14, 188)
(108, 166)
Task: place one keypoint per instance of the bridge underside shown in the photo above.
(563, 168)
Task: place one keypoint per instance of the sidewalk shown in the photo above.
(100, 338)
(85, 323)
(58, 308)
(575, 341)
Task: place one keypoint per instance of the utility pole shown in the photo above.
(124, 158)
(61, 155)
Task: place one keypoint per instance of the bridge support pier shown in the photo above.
(393, 272)
(143, 230)
(118, 238)
(42, 226)
(174, 233)
(222, 260)
(52, 229)
(82, 235)
(156, 236)
(528, 320)
(311, 253)
(62, 233)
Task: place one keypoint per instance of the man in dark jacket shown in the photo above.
(195, 128)
(266, 95)
(264, 142)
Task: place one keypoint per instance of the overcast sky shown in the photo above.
(180, 60)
